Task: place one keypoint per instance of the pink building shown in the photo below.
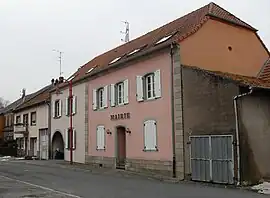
(130, 117)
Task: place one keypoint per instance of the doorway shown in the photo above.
(121, 147)
(58, 146)
(33, 147)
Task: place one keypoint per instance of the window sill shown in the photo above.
(150, 150)
(58, 117)
(101, 149)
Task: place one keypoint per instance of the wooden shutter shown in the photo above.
(94, 99)
(60, 108)
(74, 104)
(139, 83)
(126, 91)
(100, 138)
(157, 84)
(105, 95)
(112, 95)
(67, 106)
(74, 139)
(150, 135)
(66, 139)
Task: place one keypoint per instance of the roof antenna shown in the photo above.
(126, 32)
(60, 60)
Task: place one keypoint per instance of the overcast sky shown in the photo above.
(82, 29)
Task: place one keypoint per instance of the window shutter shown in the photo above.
(100, 137)
(157, 84)
(94, 99)
(126, 91)
(112, 95)
(139, 82)
(60, 108)
(106, 96)
(66, 139)
(67, 106)
(150, 138)
(53, 110)
(74, 139)
(74, 104)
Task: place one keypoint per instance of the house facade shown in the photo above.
(31, 127)
(60, 122)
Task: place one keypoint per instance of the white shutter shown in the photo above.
(100, 137)
(157, 84)
(66, 106)
(112, 95)
(105, 94)
(139, 82)
(74, 104)
(74, 139)
(60, 108)
(53, 110)
(126, 91)
(94, 99)
(66, 138)
(150, 135)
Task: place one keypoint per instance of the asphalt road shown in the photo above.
(18, 179)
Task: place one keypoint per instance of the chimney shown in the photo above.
(23, 92)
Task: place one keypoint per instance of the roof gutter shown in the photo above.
(121, 62)
(237, 131)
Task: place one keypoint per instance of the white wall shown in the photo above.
(62, 123)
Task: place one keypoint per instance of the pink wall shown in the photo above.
(159, 110)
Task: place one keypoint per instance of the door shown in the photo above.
(212, 158)
(121, 147)
(44, 147)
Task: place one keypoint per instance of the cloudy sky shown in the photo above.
(82, 29)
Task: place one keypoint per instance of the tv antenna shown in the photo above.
(60, 60)
(126, 32)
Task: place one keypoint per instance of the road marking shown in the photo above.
(42, 187)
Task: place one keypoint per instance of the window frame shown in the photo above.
(100, 100)
(57, 107)
(18, 119)
(120, 84)
(144, 136)
(104, 138)
(152, 86)
(31, 118)
(25, 121)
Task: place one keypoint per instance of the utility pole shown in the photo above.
(126, 32)
(60, 60)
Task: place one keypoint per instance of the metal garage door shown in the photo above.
(44, 144)
(212, 158)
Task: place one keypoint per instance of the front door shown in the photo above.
(44, 148)
(121, 147)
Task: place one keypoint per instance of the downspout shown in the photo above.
(237, 131)
(172, 113)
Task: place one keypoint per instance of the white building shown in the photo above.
(31, 124)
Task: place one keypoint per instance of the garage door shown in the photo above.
(212, 158)
(44, 144)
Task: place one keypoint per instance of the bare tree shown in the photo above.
(3, 102)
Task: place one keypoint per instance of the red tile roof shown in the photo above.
(265, 71)
(180, 29)
(243, 80)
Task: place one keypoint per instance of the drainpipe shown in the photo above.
(237, 131)
(172, 113)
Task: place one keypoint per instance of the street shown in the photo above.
(19, 179)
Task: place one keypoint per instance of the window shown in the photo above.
(100, 138)
(6, 120)
(67, 137)
(74, 105)
(33, 118)
(18, 119)
(119, 93)
(100, 98)
(25, 119)
(150, 135)
(148, 86)
(57, 109)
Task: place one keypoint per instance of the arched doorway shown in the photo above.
(121, 147)
(58, 146)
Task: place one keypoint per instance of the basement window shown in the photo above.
(163, 39)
